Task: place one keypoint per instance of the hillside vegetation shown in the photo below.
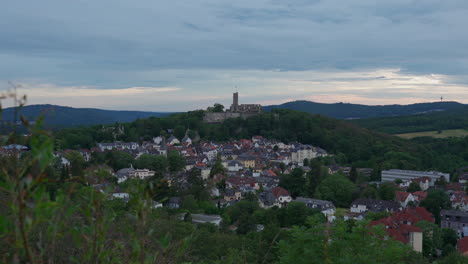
(452, 119)
(354, 111)
(349, 143)
(63, 116)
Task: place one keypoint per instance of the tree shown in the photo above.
(156, 163)
(435, 201)
(305, 162)
(175, 160)
(77, 163)
(217, 168)
(338, 244)
(216, 108)
(315, 176)
(338, 189)
(387, 191)
(179, 132)
(353, 174)
(370, 192)
(119, 159)
(294, 182)
(413, 187)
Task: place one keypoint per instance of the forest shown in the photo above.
(450, 119)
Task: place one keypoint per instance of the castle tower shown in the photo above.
(235, 102)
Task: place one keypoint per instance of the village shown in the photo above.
(231, 171)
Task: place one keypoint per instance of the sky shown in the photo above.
(179, 55)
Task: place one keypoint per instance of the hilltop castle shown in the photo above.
(236, 110)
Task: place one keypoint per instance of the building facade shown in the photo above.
(407, 175)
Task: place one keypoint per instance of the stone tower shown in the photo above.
(235, 102)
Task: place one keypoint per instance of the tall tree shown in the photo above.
(338, 189)
(175, 160)
(435, 201)
(294, 182)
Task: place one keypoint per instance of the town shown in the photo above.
(268, 172)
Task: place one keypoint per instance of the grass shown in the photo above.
(436, 134)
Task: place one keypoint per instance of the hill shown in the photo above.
(62, 116)
(349, 143)
(356, 111)
(450, 119)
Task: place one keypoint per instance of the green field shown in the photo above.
(436, 134)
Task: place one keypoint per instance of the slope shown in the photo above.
(62, 116)
(355, 111)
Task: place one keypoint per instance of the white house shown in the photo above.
(235, 165)
(173, 141)
(326, 207)
(303, 152)
(404, 198)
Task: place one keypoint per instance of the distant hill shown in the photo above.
(63, 116)
(355, 111)
(450, 119)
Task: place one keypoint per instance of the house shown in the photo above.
(142, 173)
(124, 174)
(158, 140)
(455, 220)
(463, 175)
(172, 140)
(236, 182)
(119, 193)
(401, 226)
(326, 207)
(419, 196)
(235, 165)
(459, 200)
(424, 182)
(405, 175)
(463, 178)
(303, 152)
(362, 205)
(462, 246)
(267, 183)
(267, 200)
(232, 194)
(174, 203)
(204, 219)
(281, 195)
(187, 141)
(247, 160)
(118, 145)
(404, 198)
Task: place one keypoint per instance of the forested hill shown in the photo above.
(349, 143)
(352, 111)
(63, 116)
(451, 119)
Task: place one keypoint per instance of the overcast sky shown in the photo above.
(181, 55)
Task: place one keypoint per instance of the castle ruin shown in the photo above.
(236, 110)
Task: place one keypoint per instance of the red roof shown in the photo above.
(401, 196)
(463, 245)
(278, 191)
(400, 224)
(420, 195)
(241, 181)
(270, 173)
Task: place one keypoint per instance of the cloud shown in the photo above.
(195, 89)
(207, 47)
